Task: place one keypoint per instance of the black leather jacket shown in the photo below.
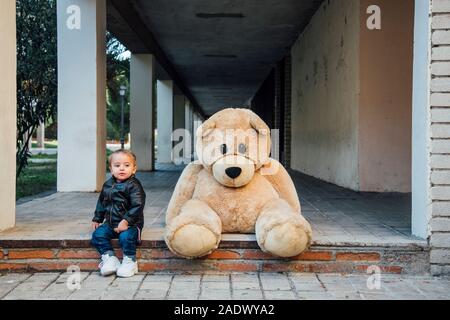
(121, 200)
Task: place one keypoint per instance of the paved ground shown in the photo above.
(337, 215)
(222, 286)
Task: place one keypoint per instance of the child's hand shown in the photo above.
(95, 225)
(123, 225)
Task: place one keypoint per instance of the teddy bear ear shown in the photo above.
(259, 125)
(206, 128)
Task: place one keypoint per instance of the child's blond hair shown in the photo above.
(123, 151)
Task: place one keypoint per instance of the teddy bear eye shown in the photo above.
(242, 148)
(223, 148)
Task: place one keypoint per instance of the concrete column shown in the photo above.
(81, 95)
(30, 140)
(421, 195)
(8, 118)
(164, 102)
(179, 122)
(142, 77)
(40, 136)
(197, 123)
(189, 125)
(188, 116)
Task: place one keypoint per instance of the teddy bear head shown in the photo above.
(233, 144)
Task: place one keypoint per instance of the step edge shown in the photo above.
(228, 244)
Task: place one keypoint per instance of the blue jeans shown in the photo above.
(101, 240)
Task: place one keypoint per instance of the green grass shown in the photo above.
(36, 178)
(39, 177)
(49, 144)
(44, 156)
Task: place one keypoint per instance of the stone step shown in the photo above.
(238, 253)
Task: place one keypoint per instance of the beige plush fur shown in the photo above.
(235, 188)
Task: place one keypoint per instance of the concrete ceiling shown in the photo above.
(222, 49)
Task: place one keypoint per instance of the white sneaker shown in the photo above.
(108, 265)
(128, 268)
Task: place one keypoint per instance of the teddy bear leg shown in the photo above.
(281, 231)
(195, 232)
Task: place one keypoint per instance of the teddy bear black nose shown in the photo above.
(233, 172)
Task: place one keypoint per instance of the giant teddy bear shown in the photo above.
(235, 187)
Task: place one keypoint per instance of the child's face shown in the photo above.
(122, 166)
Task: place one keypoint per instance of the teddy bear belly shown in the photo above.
(238, 208)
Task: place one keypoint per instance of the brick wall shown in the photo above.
(153, 257)
(440, 137)
(277, 113)
(278, 100)
(263, 102)
(287, 111)
(272, 102)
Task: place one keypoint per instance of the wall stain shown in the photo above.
(325, 67)
(315, 68)
(341, 64)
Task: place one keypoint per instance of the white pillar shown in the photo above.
(26, 137)
(164, 102)
(189, 125)
(178, 123)
(8, 117)
(189, 117)
(30, 142)
(81, 95)
(40, 135)
(142, 77)
(421, 200)
(197, 124)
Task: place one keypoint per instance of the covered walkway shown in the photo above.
(338, 216)
(315, 70)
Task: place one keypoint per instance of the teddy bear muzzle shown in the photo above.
(233, 171)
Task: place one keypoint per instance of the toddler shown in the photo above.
(119, 214)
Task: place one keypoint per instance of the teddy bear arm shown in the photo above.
(184, 190)
(282, 183)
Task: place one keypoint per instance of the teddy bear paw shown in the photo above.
(286, 240)
(193, 241)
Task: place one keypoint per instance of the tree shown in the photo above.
(37, 74)
(117, 74)
(36, 70)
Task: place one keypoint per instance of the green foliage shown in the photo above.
(36, 70)
(117, 74)
(112, 130)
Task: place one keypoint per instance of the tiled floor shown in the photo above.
(223, 286)
(337, 215)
